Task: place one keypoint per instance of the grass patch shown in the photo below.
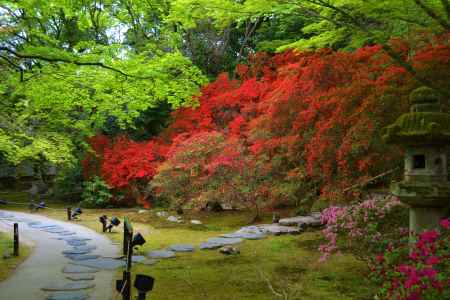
(8, 265)
(287, 263)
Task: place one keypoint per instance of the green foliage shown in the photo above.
(96, 193)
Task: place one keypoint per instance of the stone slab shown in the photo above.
(301, 221)
(71, 286)
(161, 254)
(80, 277)
(137, 258)
(74, 295)
(245, 235)
(102, 263)
(80, 257)
(215, 243)
(181, 248)
(74, 269)
(76, 243)
(149, 262)
(273, 229)
(76, 251)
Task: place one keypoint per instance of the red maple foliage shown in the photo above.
(292, 125)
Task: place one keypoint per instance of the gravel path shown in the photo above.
(41, 275)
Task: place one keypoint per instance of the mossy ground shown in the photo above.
(283, 267)
(8, 265)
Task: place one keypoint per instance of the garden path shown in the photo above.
(57, 246)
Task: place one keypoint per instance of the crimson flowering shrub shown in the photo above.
(418, 271)
(363, 227)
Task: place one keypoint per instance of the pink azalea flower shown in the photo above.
(445, 223)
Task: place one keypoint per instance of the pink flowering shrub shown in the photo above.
(361, 227)
(419, 271)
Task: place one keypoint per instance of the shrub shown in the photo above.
(418, 271)
(96, 193)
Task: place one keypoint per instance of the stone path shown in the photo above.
(51, 271)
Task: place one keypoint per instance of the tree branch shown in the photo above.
(65, 60)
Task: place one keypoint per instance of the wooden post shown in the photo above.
(69, 213)
(16, 239)
(128, 252)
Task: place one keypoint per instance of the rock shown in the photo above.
(142, 211)
(73, 269)
(174, 219)
(162, 214)
(161, 254)
(76, 251)
(80, 257)
(229, 250)
(137, 258)
(274, 229)
(66, 233)
(213, 206)
(75, 295)
(76, 243)
(71, 286)
(312, 221)
(196, 222)
(7, 254)
(214, 243)
(245, 235)
(181, 248)
(102, 263)
(80, 277)
(275, 218)
(149, 262)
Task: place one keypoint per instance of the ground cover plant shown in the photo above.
(9, 263)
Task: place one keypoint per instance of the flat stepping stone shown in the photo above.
(76, 243)
(149, 262)
(215, 243)
(274, 229)
(66, 233)
(161, 254)
(245, 235)
(57, 230)
(137, 258)
(80, 257)
(75, 295)
(76, 251)
(73, 238)
(313, 220)
(71, 286)
(85, 248)
(74, 269)
(102, 263)
(181, 248)
(80, 277)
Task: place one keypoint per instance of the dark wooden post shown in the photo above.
(69, 213)
(128, 252)
(16, 239)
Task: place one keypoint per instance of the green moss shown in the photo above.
(423, 95)
(8, 265)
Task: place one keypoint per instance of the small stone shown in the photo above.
(80, 277)
(75, 295)
(137, 258)
(71, 286)
(78, 269)
(228, 250)
(196, 222)
(181, 248)
(161, 254)
(162, 214)
(142, 211)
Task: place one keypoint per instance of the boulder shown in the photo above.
(308, 221)
(196, 222)
(229, 250)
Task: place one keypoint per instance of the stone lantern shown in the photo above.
(424, 133)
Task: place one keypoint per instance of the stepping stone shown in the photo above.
(218, 242)
(71, 286)
(75, 295)
(181, 248)
(274, 229)
(149, 262)
(66, 233)
(102, 263)
(245, 235)
(76, 243)
(74, 269)
(307, 221)
(137, 258)
(76, 251)
(56, 230)
(73, 238)
(80, 257)
(161, 254)
(85, 248)
(80, 277)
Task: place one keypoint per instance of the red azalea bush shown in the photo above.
(419, 271)
(306, 124)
